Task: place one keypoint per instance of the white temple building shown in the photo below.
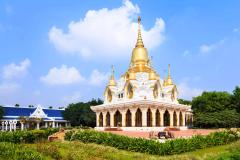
(140, 99)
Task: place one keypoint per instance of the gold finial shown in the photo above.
(139, 39)
(169, 76)
(112, 79)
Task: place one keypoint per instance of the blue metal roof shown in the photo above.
(20, 111)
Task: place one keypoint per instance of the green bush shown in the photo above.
(26, 136)
(10, 151)
(170, 147)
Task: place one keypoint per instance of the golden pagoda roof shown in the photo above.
(112, 79)
(139, 53)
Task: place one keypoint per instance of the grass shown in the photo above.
(78, 150)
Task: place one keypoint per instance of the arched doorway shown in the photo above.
(174, 119)
(100, 121)
(138, 118)
(181, 119)
(128, 118)
(157, 118)
(166, 118)
(108, 119)
(149, 118)
(117, 119)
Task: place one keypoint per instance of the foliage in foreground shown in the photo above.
(26, 136)
(154, 147)
(10, 151)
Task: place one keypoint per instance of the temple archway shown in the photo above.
(138, 118)
(157, 118)
(175, 119)
(128, 118)
(117, 119)
(149, 118)
(100, 121)
(166, 118)
(108, 119)
(181, 119)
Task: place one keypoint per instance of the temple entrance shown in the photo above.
(100, 121)
(157, 118)
(138, 118)
(108, 119)
(181, 119)
(175, 119)
(117, 119)
(149, 118)
(166, 118)
(128, 118)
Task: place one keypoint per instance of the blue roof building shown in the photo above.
(38, 117)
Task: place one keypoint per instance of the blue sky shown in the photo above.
(58, 52)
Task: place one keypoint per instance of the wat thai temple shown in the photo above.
(141, 99)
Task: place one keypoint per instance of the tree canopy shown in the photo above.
(81, 113)
(217, 109)
(1, 112)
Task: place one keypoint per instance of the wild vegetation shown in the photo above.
(170, 147)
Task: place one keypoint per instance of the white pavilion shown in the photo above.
(140, 99)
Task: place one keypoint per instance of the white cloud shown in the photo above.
(206, 48)
(106, 33)
(75, 97)
(186, 53)
(62, 76)
(237, 30)
(187, 92)
(8, 88)
(8, 9)
(16, 71)
(97, 78)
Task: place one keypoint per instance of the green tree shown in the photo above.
(1, 112)
(186, 102)
(215, 109)
(236, 99)
(81, 113)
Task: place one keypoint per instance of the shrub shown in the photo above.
(26, 136)
(170, 147)
(49, 150)
(10, 151)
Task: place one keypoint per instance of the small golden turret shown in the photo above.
(168, 81)
(112, 79)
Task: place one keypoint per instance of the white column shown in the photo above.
(46, 124)
(97, 118)
(133, 113)
(178, 118)
(104, 119)
(112, 118)
(66, 124)
(14, 125)
(10, 126)
(123, 113)
(57, 124)
(153, 110)
(53, 124)
(22, 126)
(161, 117)
(38, 125)
(2, 126)
(171, 117)
(6, 123)
(144, 117)
(183, 118)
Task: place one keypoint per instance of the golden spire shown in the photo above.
(140, 57)
(112, 79)
(139, 38)
(169, 79)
